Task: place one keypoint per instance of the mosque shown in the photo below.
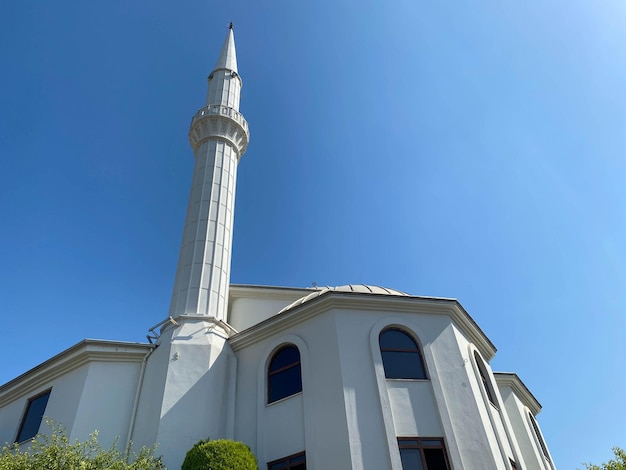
(334, 378)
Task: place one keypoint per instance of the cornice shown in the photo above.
(512, 380)
(88, 350)
(369, 302)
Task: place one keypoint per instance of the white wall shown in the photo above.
(65, 394)
(413, 408)
(316, 417)
(106, 403)
(247, 308)
(95, 396)
(352, 415)
(517, 413)
(188, 389)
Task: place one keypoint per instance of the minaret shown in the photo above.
(188, 389)
(219, 137)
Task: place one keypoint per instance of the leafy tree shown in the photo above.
(56, 452)
(220, 454)
(618, 463)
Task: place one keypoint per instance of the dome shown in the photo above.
(358, 288)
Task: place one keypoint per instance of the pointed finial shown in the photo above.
(230, 25)
(228, 56)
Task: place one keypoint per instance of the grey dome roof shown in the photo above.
(358, 288)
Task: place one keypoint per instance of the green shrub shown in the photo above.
(56, 452)
(618, 463)
(220, 454)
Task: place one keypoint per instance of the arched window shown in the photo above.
(535, 426)
(484, 378)
(402, 358)
(284, 376)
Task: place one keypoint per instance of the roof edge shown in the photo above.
(362, 301)
(87, 350)
(512, 380)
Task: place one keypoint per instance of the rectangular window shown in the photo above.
(33, 415)
(292, 462)
(423, 453)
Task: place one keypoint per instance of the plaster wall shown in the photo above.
(315, 420)
(352, 415)
(188, 390)
(444, 406)
(61, 407)
(369, 414)
(106, 403)
(283, 427)
(517, 414)
(414, 408)
(247, 311)
(466, 424)
(146, 426)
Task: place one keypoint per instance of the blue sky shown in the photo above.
(460, 149)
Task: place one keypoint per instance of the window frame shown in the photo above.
(486, 380)
(287, 461)
(25, 416)
(542, 445)
(417, 350)
(271, 373)
(421, 447)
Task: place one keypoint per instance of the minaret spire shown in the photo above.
(219, 137)
(228, 55)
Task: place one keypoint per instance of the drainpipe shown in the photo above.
(133, 415)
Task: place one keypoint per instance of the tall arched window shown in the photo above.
(535, 426)
(484, 378)
(402, 358)
(284, 377)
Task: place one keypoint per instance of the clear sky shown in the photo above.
(459, 149)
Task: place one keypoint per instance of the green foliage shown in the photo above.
(56, 452)
(220, 454)
(618, 463)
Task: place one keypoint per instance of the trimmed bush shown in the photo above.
(220, 454)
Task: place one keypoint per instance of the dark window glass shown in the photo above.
(292, 462)
(401, 356)
(484, 379)
(435, 460)
(32, 417)
(513, 466)
(411, 459)
(396, 339)
(285, 357)
(422, 454)
(402, 365)
(544, 449)
(284, 377)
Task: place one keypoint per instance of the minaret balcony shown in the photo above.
(219, 121)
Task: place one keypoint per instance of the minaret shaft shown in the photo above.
(188, 388)
(219, 136)
(203, 273)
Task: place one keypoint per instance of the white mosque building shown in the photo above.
(350, 377)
